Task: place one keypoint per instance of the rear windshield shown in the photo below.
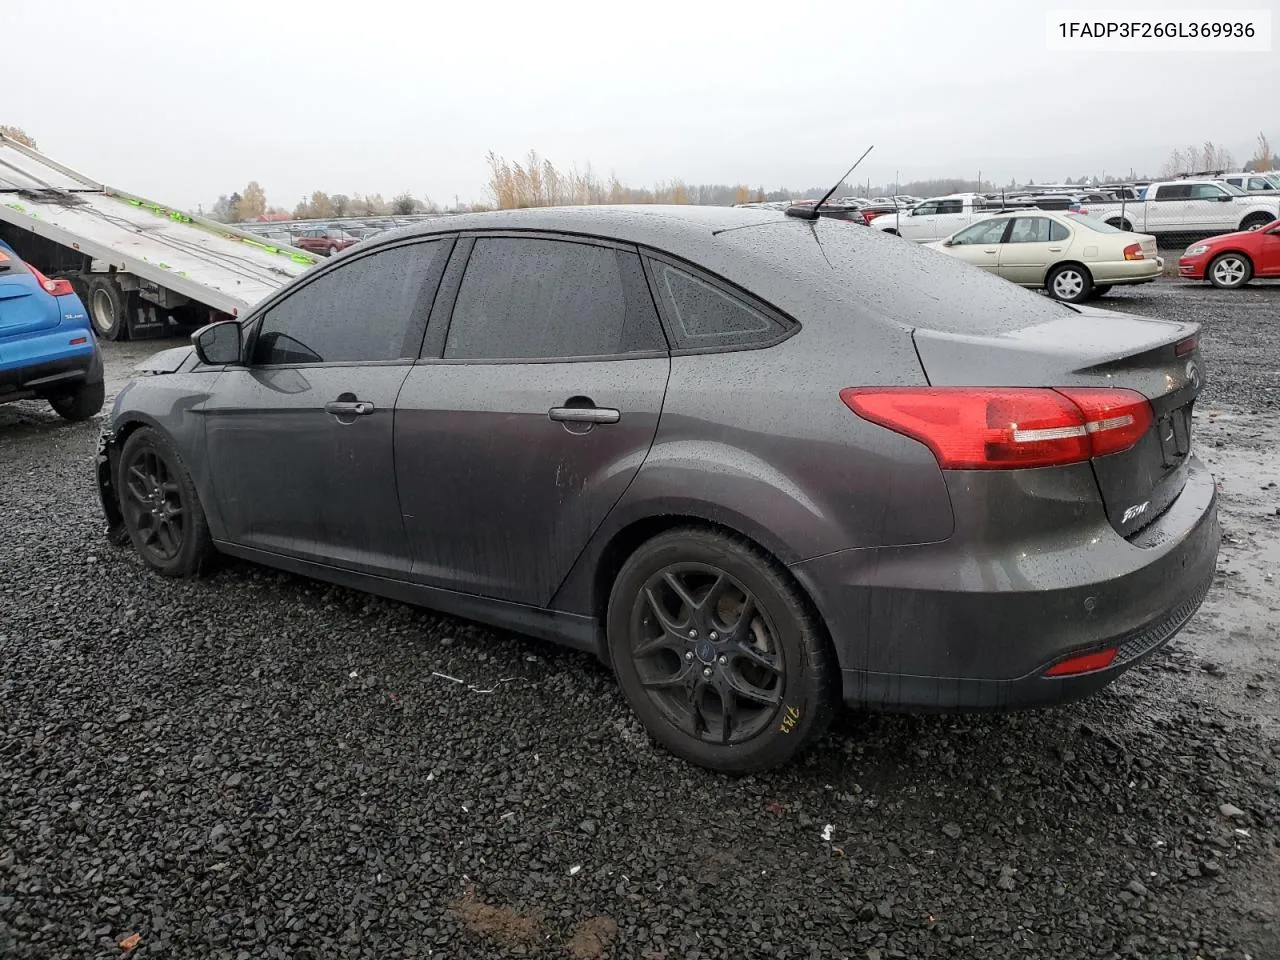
(1094, 224)
(9, 262)
(886, 275)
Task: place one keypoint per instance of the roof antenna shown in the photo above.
(811, 213)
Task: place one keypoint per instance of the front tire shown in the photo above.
(84, 403)
(1255, 221)
(1122, 224)
(1069, 283)
(161, 509)
(1230, 270)
(718, 652)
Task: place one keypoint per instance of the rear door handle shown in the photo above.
(1055, 249)
(585, 414)
(349, 408)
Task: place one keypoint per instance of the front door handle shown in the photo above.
(584, 414)
(349, 408)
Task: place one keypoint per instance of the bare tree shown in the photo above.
(1263, 155)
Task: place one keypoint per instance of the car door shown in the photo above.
(979, 243)
(535, 403)
(299, 439)
(1267, 249)
(1209, 211)
(1030, 248)
(951, 216)
(919, 223)
(1168, 209)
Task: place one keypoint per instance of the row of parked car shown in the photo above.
(326, 238)
(1077, 244)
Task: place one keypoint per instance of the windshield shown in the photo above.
(1092, 223)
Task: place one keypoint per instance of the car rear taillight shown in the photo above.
(1183, 347)
(1004, 428)
(58, 288)
(1134, 252)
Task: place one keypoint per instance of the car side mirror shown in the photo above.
(948, 242)
(1225, 198)
(218, 344)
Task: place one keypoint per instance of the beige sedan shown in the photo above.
(1073, 256)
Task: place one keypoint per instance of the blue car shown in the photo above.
(47, 348)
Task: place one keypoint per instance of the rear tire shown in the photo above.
(108, 309)
(83, 403)
(1229, 271)
(1069, 283)
(718, 653)
(161, 508)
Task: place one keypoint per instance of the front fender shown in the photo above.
(171, 404)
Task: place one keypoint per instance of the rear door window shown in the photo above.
(1173, 191)
(545, 299)
(1030, 230)
(362, 312)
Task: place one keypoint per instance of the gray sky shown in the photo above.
(180, 102)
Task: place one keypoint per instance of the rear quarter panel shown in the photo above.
(759, 441)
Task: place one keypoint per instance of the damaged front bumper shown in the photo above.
(105, 460)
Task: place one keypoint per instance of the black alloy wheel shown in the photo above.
(152, 501)
(706, 653)
(719, 652)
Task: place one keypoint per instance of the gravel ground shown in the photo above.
(256, 765)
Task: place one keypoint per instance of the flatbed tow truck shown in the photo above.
(143, 269)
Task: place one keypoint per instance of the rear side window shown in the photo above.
(1057, 231)
(950, 206)
(539, 299)
(1174, 192)
(702, 315)
(360, 312)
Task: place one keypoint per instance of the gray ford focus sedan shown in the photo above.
(761, 465)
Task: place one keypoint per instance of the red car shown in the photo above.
(1233, 259)
(324, 240)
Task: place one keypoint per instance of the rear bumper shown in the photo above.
(950, 626)
(50, 372)
(1117, 272)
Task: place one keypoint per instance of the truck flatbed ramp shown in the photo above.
(211, 263)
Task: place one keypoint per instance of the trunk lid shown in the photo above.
(1094, 348)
